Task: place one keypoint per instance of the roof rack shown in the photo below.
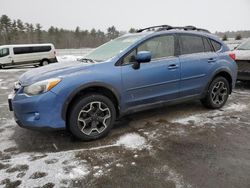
(168, 27)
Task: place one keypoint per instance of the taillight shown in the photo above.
(232, 55)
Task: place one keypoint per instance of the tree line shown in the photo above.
(237, 35)
(18, 32)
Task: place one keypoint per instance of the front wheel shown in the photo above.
(92, 117)
(217, 94)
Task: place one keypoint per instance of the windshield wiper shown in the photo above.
(86, 60)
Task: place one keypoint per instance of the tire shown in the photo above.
(44, 62)
(91, 117)
(217, 94)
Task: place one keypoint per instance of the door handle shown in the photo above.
(211, 60)
(173, 66)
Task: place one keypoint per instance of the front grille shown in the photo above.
(243, 66)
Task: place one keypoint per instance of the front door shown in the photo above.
(5, 57)
(155, 81)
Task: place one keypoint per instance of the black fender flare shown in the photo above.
(218, 71)
(83, 87)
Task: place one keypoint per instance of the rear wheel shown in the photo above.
(217, 94)
(44, 62)
(92, 117)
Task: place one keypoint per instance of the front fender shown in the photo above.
(86, 86)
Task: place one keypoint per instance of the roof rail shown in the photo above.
(168, 27)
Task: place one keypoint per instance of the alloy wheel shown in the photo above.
(94, 118)
(219, 93)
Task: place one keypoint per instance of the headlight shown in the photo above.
(41, 87)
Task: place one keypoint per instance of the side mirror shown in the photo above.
(142, 57)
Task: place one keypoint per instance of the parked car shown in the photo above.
(131, 73)
(242, 53)
(27, 54)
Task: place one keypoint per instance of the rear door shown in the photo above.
(155, 81)
(197, 58)
(22, 55)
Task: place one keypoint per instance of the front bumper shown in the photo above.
(36, 112)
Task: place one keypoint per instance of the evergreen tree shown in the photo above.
(132, 30)
(238, 37)
(5, 26)
(38, 31)
(224, 38)
(112, 32)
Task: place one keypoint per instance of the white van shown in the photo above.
(33, 54)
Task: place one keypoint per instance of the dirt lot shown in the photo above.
(176, 146)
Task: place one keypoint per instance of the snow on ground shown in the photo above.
(59, 168)
(14, 69)
(235, 107)
(132, 141)
(175, 177)
(5, 141)
(217, 116)
(68, 58)
(55, 168)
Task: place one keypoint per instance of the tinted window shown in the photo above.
(41, 49)
(22, 50)
(4, 52)
(191, 44)
(160, 47)
(34, 49)
(207, 46)
(216, 45)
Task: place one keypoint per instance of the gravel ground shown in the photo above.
(178, 146)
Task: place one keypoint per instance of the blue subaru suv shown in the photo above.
(150, 68)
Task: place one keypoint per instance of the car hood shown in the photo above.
(242, 54)
(55, 70)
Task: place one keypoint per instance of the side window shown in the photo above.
(41, 49)
(34, 49)
(130, 58)
(4, 52)
(216, 45)
(160, 47)
(22, 50)
(191, 44)
(207, 46)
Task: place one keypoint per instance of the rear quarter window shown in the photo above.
(216, 45)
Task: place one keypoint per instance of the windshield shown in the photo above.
(113, 47)
(244, 46)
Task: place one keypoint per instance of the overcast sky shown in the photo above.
(215, 15)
